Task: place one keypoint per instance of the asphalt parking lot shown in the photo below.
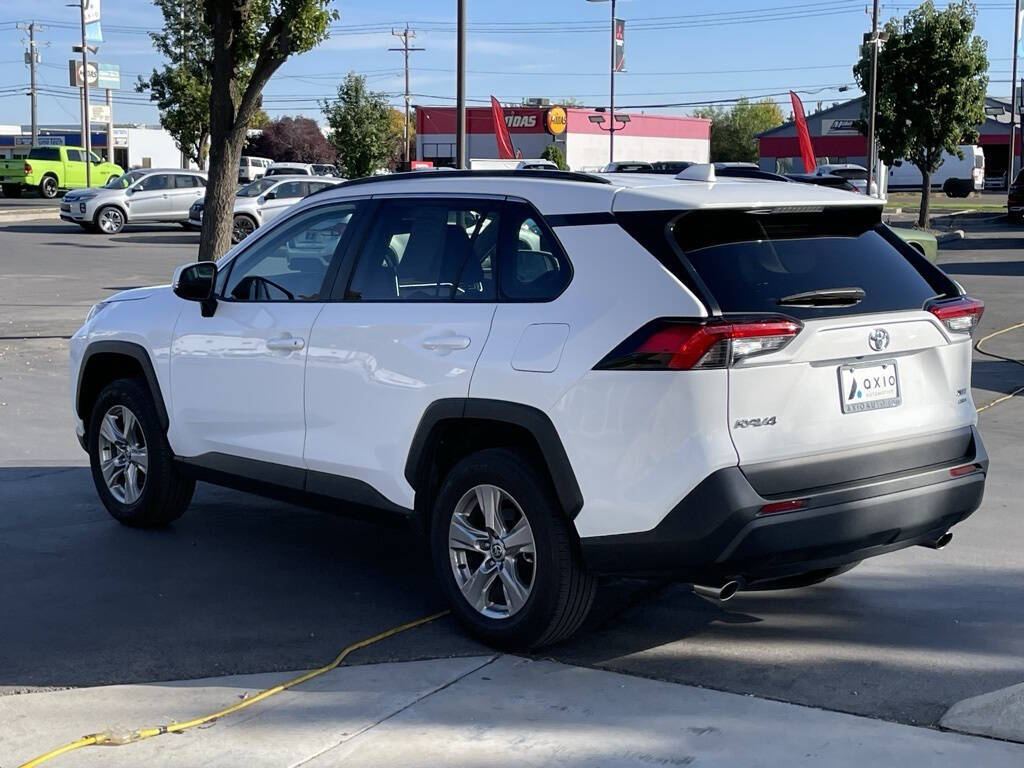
(241, 584)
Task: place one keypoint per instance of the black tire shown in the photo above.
(48, 187)
(808, 579)
(562, 589)
(12, 190)
(165, 494)
(242, 225)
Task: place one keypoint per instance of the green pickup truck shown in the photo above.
(50, 169)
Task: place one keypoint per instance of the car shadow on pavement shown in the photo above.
(994, 268)
(185, 238)
(997, 376)
(903, 646)
(238, 584)
(43, 229)
(982, 243)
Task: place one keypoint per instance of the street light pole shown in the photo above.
(873, 101)
(611, 94)
(1013, 96)
(460, 90)
(86, 138)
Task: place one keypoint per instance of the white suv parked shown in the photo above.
(262, 201)
(146, 195)
(739, 384)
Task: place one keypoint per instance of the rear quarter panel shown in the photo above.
(638, 442)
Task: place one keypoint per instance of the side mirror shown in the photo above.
(130, 191)
(196, 282)
(271, 195)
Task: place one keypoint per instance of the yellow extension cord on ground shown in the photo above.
(977, 346)
(108, 738)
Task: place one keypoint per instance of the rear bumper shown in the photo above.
(716, 533)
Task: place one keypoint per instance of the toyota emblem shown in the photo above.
(878, 339)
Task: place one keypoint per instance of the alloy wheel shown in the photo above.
(111, 221)
(241, 228)
(492, 551)
(124, 459)
(49, 187)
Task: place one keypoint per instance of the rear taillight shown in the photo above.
(683, 345)
(958, 315)
(28, 169)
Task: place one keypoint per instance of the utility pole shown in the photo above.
(405, 36)
(86, 125)
(460, 90)
(32, 59)
(1013, 96)
(873, 100)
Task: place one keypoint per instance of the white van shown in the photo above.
(955, 177)
(251, 168)
(515, 164)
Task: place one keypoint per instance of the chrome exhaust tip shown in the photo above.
(940, 542)
(721, 593)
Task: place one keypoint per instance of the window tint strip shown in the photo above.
(580, 219)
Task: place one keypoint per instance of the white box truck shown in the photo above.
(955, 176)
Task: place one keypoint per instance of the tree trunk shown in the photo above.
(926, 195)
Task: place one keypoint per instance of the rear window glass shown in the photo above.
(44, 153)
(757, 261)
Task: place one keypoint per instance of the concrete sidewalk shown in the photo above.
(471, 711)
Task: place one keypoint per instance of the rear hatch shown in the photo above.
(875, 375)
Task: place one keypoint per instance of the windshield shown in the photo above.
(123, 182)
(256, 188)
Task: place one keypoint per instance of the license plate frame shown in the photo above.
(851, 397)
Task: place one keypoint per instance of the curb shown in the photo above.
(28, 214)
(945, 237)
(998, 714)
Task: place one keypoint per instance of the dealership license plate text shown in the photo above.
(869, 386)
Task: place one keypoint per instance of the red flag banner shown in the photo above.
(505, 151)
(806, 150)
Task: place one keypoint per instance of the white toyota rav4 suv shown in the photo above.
(737, 383)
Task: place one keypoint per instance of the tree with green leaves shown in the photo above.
(249, 41)
(734, 130)
(554, 153)
(931, 88)
(362, 129)
(181, 89)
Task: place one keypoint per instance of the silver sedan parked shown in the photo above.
(144, 195)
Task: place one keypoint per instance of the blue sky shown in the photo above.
(677, 51)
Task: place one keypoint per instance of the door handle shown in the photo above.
(446, 343)
(286, 344)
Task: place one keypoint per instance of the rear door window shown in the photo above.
(762, 261)
(428, 250)
(532, 264)
(44, 153)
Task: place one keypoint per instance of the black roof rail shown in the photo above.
(467, 174)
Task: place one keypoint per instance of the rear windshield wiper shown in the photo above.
(824, 297)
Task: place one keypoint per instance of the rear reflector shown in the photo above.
(782, 506)
(966, 469)
(958, 315)
(683, 345)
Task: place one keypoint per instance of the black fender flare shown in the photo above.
(125, 349)
(533, 420)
